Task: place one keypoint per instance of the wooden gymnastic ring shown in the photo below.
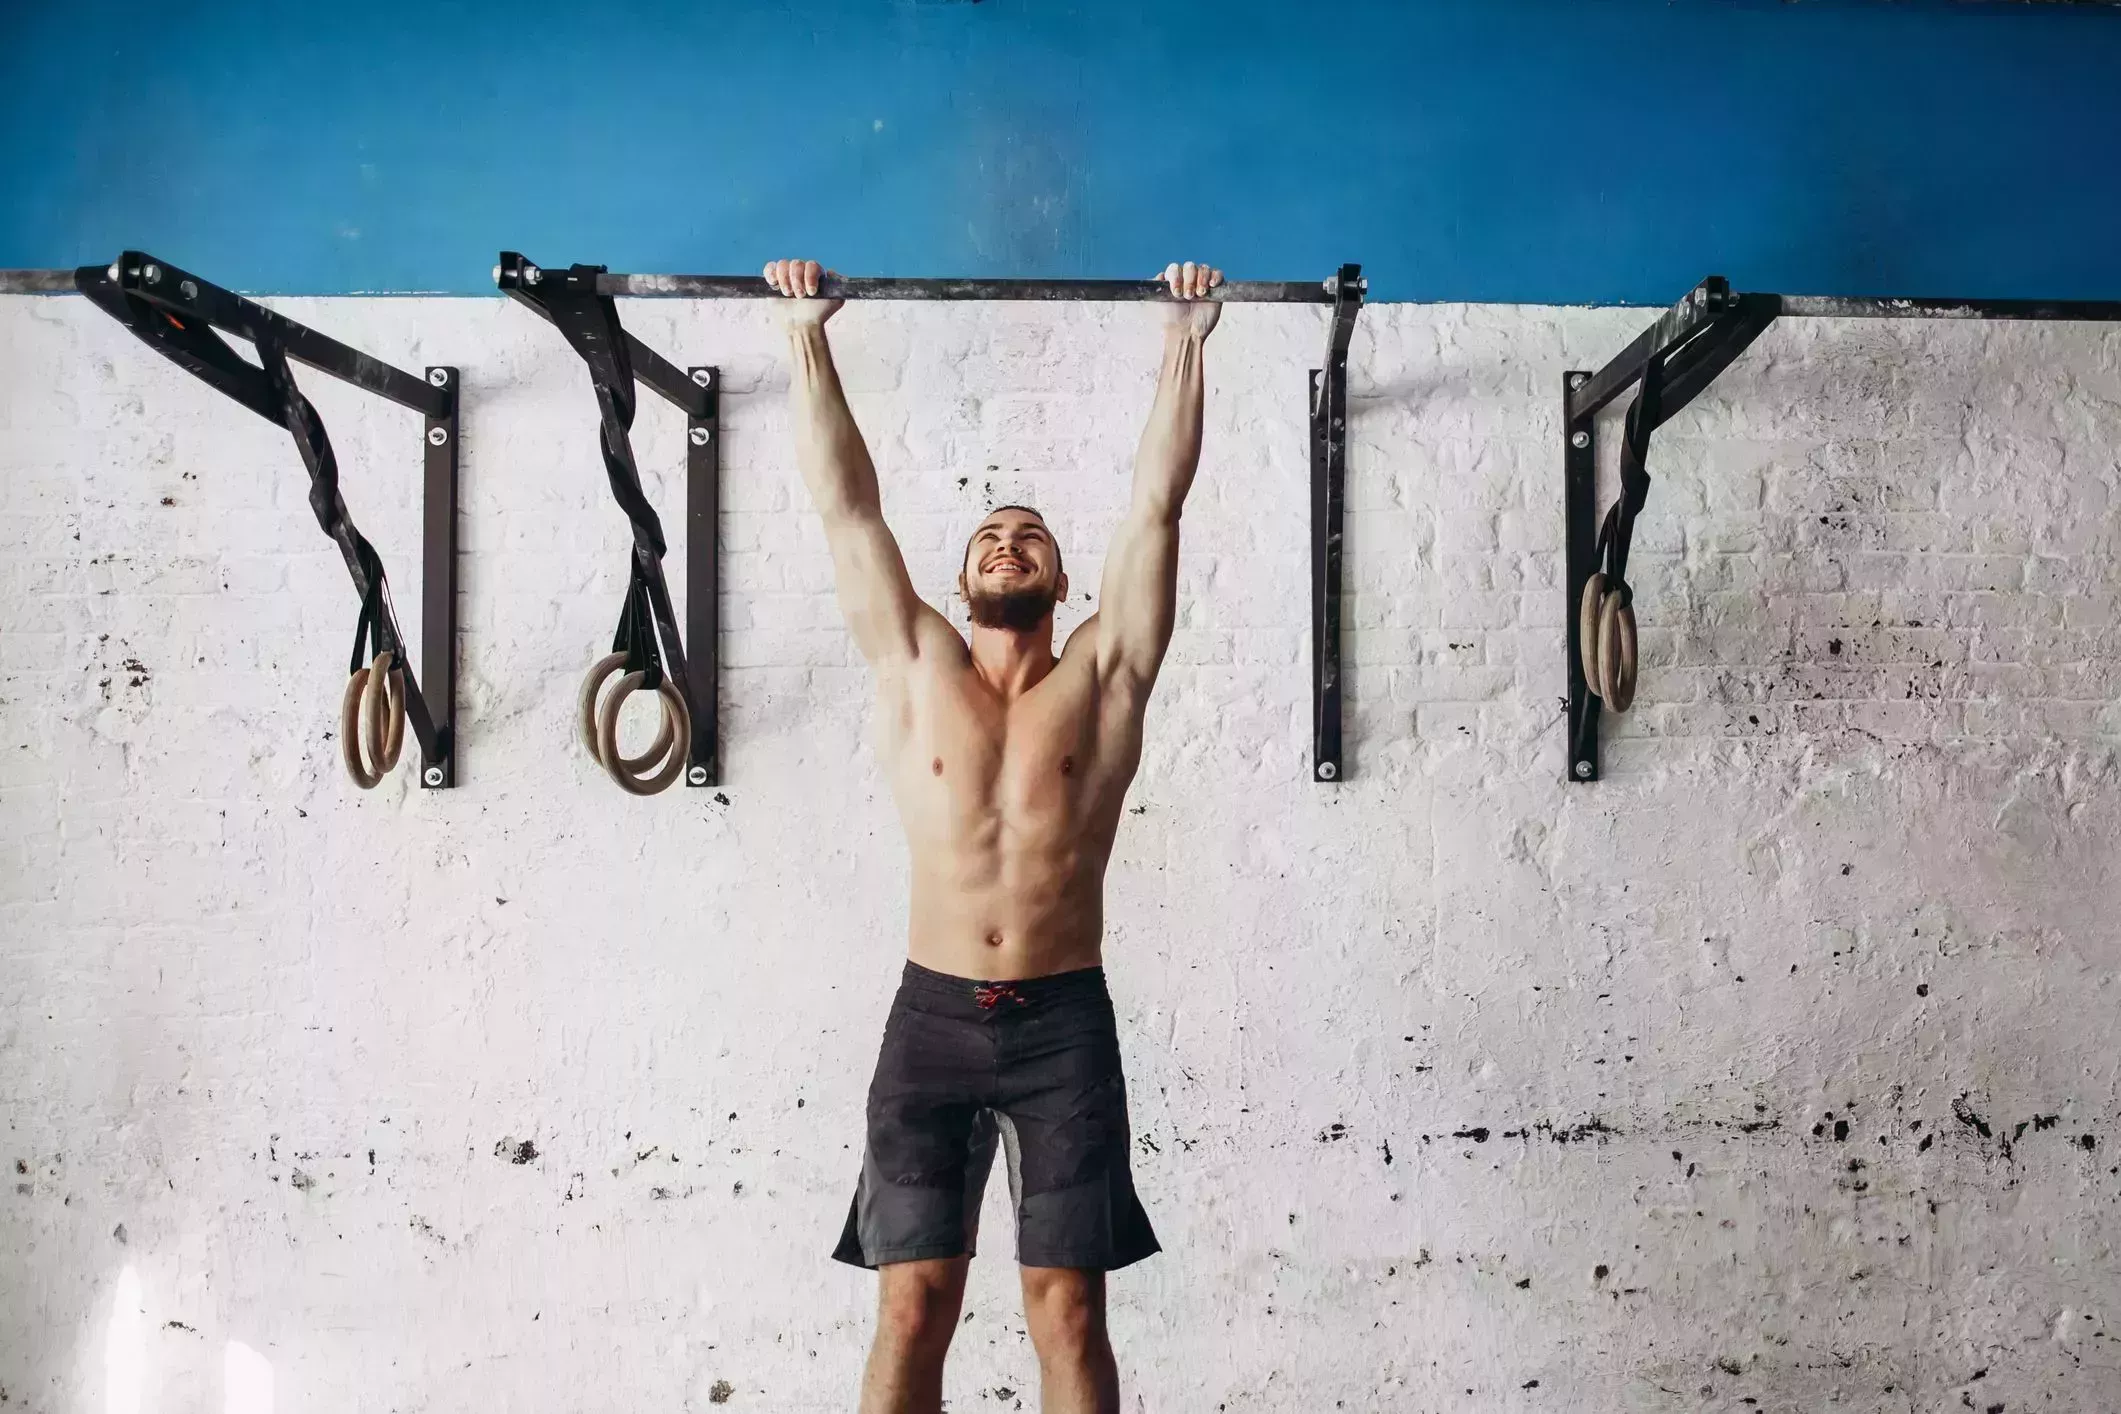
(586, 717)
(675, 715)
(1587, 613)
(385, 695)
(350, 732)
(375, 701)
(1616, 652)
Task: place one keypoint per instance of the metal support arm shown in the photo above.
(589, 321)
(1683, 353)
(177, 314)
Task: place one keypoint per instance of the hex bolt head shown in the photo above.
(436, 436)
(1583, 770)
(438, 376)
(1327, 771)
(188, 290)
(699, 436)
(152, 274)
(701, 377)
(697, 776)
(1575, 380)
(433, 776)
(1579, 440)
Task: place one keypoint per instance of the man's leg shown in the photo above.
(916, 1314)
(1065, 1309)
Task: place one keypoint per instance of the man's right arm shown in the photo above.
(888, 620)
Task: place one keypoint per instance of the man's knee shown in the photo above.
(1065, 1309)
(918, 1303)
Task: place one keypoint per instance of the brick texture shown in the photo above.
(1774, 1072)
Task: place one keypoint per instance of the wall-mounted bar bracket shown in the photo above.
(1327, 398)
(1674, 360)
(178, 314)
(570, 299)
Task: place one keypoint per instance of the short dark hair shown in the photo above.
(1059, 567)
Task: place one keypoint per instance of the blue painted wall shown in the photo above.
(1545, 150)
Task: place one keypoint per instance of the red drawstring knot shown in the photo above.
(992, 994)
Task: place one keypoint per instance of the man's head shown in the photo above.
(1012, 574)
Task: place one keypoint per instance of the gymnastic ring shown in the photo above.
(1587, 614)
(385, 696)
(381, 711)
(1616, 652)
(675, 714)
(586, 717)
(350, 732)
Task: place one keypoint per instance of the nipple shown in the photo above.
(937, 767)
(1067, 765)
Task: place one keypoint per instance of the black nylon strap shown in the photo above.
(362, 561)
(636, 637)
(590, 323)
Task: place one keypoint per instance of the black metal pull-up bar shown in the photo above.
(178, 314)
(1672, 362)
(868, 287)
(1326, 397)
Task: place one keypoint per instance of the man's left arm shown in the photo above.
(1138, 599)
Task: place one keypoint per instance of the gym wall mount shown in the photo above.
(648, 635)
(178, 314)
(1672, 362)
(580, 301)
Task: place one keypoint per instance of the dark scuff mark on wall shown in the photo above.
(516, 1152)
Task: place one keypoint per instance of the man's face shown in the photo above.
(1012, 574)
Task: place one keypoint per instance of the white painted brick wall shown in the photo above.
(1448, 1080)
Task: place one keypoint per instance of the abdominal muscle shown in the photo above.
(1008, 915)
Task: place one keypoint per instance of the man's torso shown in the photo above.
(1010, 807)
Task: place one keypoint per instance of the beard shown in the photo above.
(1013, 610)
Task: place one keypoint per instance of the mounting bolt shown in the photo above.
(699, 436)
(696, 776)
(1583, 770)
(532, 275)
(1327, 770)
(1363, 284)
(433, 776)
(113, 272)
(701, 377)
(497, 274)
(188, 290)
(1575, 380)
(438, 376)
(152, 274)
(1579, 440)
(436, 436)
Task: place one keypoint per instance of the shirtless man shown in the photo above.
(1009, 767)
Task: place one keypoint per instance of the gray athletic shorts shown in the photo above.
(1033, 1064)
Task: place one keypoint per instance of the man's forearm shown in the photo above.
(1170, 446)
(828, 446)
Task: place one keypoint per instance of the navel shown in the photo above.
(937, 767)
(994, 939)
